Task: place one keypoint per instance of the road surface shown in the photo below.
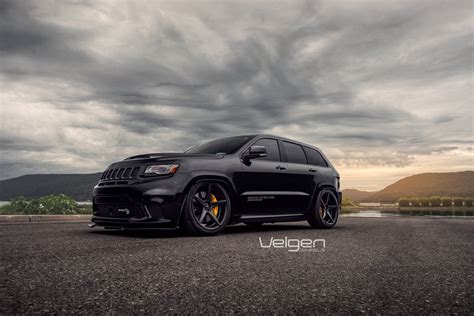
(369, 265)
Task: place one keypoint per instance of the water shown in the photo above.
(375, 213)
(366, 214)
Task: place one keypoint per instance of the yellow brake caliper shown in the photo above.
(215, 209)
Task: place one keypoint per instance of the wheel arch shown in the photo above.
(317, 190)
(223, 180)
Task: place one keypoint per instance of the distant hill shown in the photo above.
(356, 195)
(426, 185)
(78, 186)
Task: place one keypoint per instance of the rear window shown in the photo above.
(294, 153)
(315, 158)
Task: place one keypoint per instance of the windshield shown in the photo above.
(227, 145)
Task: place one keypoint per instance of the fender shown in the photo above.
(206, 176)
(316, 191)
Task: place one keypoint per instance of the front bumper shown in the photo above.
(151, 204)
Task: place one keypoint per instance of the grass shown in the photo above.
(46, 205)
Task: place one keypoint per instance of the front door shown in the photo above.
(261, 182)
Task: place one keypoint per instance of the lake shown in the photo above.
(375, 213)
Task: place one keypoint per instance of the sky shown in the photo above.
(384, 88)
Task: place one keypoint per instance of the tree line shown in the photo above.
(436, 201)
(51, 204)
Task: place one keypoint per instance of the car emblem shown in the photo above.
(124, 210)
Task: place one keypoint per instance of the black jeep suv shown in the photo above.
(252, 179)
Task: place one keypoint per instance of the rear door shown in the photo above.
(262, 181)
(299, 178)
(319, 166)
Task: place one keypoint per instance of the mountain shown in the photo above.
(426, 185)
(78, 186)
(356, 195)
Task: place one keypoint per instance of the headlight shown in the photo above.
(161, 169)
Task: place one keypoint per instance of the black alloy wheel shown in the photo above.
(326, 211)
(207, 210)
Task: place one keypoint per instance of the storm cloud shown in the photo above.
(384, 88)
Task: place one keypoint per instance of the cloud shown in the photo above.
(372, 84)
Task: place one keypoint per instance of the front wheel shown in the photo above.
(326, 211)
(207, 209)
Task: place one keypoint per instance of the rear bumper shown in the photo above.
(152, 204)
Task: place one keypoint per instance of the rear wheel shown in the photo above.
(326, 211)
(207, 209)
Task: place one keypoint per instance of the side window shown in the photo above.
(273, 151)
(294, 153)
(315, 158)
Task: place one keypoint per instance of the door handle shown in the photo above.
(280, 167)
(313, 170)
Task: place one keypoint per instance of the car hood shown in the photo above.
(174, 156)
(141, 160)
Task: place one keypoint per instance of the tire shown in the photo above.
(207, 209)
(326, 211)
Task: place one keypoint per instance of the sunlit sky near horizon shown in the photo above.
(384, 88)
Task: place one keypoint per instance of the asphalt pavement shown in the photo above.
(367, 265)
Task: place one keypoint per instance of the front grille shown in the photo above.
(134, 172)
(120, 173)
(126, 174)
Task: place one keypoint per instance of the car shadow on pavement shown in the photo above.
(176, 233)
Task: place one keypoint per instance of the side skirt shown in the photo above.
(272, 218)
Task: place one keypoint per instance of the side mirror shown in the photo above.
(256, 152)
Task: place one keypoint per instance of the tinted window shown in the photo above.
(294, 153)
(273, 151)
(224, 145)
(315, 158)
